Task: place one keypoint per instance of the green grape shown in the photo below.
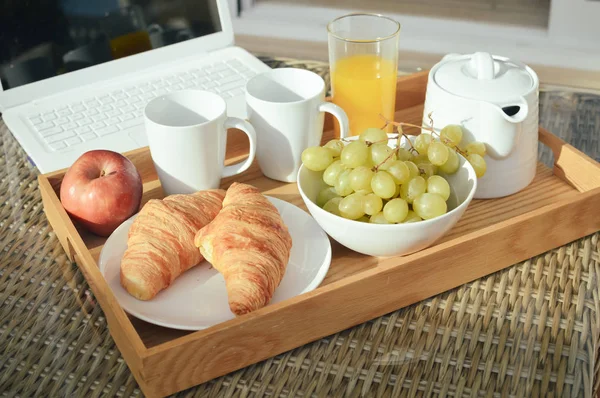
(333, 206)
(355, 154)
(427, 169)
(476, 147)
(378, 218)
(317, 158)
(451, 135)
(413, 168)
(369, 161)
(437, 153)
(415, 187)
(335, 146)
(351, 206)
(397, 193)
(383, 185)
(411, 217)
(342, 185)
(372, 204)
(395, 210)
(429, 205)
(331, 173)
(438, 185)
(422, 142)
(373, 135)
(451, 164)
(363, 219)
(360, 179)
(420, 159)
(326, 195)
(403, 154)
(478, 164)
(382, 156)
(399, 171)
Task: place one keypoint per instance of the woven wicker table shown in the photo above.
(530, 330)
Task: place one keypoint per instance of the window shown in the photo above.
(556, 33)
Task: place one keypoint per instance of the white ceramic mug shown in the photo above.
(187, 136)
(286, 107)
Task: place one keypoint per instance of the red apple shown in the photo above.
(101, 190)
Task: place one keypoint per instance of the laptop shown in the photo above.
(76, 74)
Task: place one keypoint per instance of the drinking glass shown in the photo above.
(363, 58)
(126, 28)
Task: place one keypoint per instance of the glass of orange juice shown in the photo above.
(363, 58)
(127, 31)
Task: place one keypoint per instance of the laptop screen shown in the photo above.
(42, 39)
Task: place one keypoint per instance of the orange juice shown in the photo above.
(365, 87)
(130, 43)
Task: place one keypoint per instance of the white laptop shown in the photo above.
(82, 83)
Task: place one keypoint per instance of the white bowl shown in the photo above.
(390, 239)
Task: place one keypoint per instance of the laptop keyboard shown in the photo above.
(87, 120)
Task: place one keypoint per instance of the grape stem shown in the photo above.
(400, 132)
(427, 128)
(412, 148)
(388, 157)
(430, 120)
(369, 143)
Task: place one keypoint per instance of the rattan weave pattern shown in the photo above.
(530, 330)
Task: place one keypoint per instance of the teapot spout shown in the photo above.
(515, 113)
(501, 125)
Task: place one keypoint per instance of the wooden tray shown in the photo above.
(561, 205)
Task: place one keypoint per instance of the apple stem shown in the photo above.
(102, 173)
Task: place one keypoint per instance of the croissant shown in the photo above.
(160, 244)
(249, 244)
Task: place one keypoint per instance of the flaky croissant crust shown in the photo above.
(160, 245)
(249, 244)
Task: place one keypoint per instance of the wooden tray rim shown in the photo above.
(570, 165)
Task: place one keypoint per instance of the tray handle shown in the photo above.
(570, 164)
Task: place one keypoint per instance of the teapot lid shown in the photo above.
(481, 76)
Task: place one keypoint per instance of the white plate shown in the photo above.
(198, 298)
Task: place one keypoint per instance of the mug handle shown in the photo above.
(234, 122)
(339, 114)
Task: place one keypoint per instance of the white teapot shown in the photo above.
(495, 100)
